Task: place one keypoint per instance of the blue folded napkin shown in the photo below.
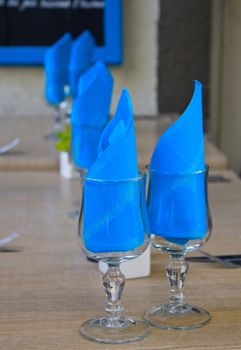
(56, 63)
(90, 113)
(112, 215)
(81, 59)
(176, 198)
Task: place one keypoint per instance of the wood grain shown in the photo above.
(48, 288)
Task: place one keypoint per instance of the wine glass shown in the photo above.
(180, 222)
(113, 227)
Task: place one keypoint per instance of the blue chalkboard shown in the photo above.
(28, 27)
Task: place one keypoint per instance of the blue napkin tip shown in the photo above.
(82, 50)
(94, 74)
(197, 83)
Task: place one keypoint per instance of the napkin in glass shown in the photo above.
(90, 113)
(176, 198)
(56, 64)
(112, 215)
(81, 59)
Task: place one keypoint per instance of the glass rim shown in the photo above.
(204, 171)
(140, 176)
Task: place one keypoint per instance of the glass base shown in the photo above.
(123, 330)
(177, 317)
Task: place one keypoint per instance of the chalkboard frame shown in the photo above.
(111, 52)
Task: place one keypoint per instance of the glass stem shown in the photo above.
(176, 272)
(57, 117)
(113, 282)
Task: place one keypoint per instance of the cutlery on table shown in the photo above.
(218, 178)
(9, 146)
(7, 239)
(232, 260)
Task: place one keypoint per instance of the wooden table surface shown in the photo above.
(35, 153)
(48, 288)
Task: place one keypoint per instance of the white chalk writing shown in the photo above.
(12, 3)
(53, 4)
(26, 4)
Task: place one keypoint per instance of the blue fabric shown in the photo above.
(90, 113)
(81, 59)
(56, 64)
(176, 198)
(112, 214)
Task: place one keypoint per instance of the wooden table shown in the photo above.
(35, 153)
(48, 288)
